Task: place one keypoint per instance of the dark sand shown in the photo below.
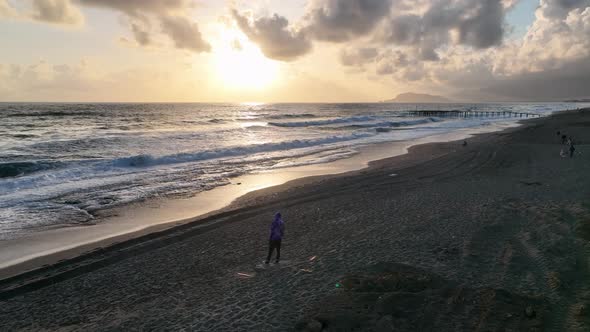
(492, 236)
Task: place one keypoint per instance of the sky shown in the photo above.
(293, 50)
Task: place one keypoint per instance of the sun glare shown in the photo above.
(241, 65)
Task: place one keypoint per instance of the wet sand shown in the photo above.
(492, 236)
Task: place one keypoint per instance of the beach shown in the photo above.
(489, 236)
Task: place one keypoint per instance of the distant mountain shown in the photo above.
(581, 100)
(411, 97)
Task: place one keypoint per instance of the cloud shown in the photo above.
(560, 8)
(358, 56)
(479, 24)
(423, 26)
(324, 20)
(404, 30)
(273, 35)
(141, 35)
(6, 10)
(342, 20)
(184, 33)
(552, 41)
(551, 62)
(171, 15)
(56, 12)
(392, 62)
(139, 7)
(485, 27)
(569, 81)
(61, 12)
(141, 14)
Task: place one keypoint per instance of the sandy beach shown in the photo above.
(489, 236)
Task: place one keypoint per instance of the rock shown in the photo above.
(530, 312)
(314, 326)
(385, 324)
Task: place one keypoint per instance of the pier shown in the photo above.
(471, 114)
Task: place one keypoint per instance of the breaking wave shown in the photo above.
(149, 160)
(351, 119)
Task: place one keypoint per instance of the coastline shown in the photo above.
(490, 236)
(135, 221)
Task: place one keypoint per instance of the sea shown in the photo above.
(61, 164)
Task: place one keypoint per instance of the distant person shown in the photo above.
(464, 143)
(572, 150)
(277, 231)
(563, 139)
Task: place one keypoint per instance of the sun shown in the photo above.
(241, 65)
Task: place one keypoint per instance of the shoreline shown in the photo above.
(492, 236)
(216, 201)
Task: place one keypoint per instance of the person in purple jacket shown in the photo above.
(277, 230)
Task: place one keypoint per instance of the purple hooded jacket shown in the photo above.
(277, 228)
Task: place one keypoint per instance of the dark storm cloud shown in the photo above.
(273, 36)
(342, 20)
(560, 8)
(568, 4)
(479, 24)
(405, 30)
(184, 33)
(486, 27)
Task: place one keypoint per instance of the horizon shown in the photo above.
(256, 103)
(316, 51)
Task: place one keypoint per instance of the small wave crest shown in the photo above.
(52, 113)
(14, 169)
(23, 136)
(148, 160)
(323, 122)
(290, 116)
(386, 126)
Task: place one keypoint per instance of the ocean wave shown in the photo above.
(365, 118)
(14, 169)
(393, 124)
(256, 127)
(148, 160)
(23, 136)
(52, 113)
(290, 116)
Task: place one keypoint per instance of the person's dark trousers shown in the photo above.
(272, 245)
